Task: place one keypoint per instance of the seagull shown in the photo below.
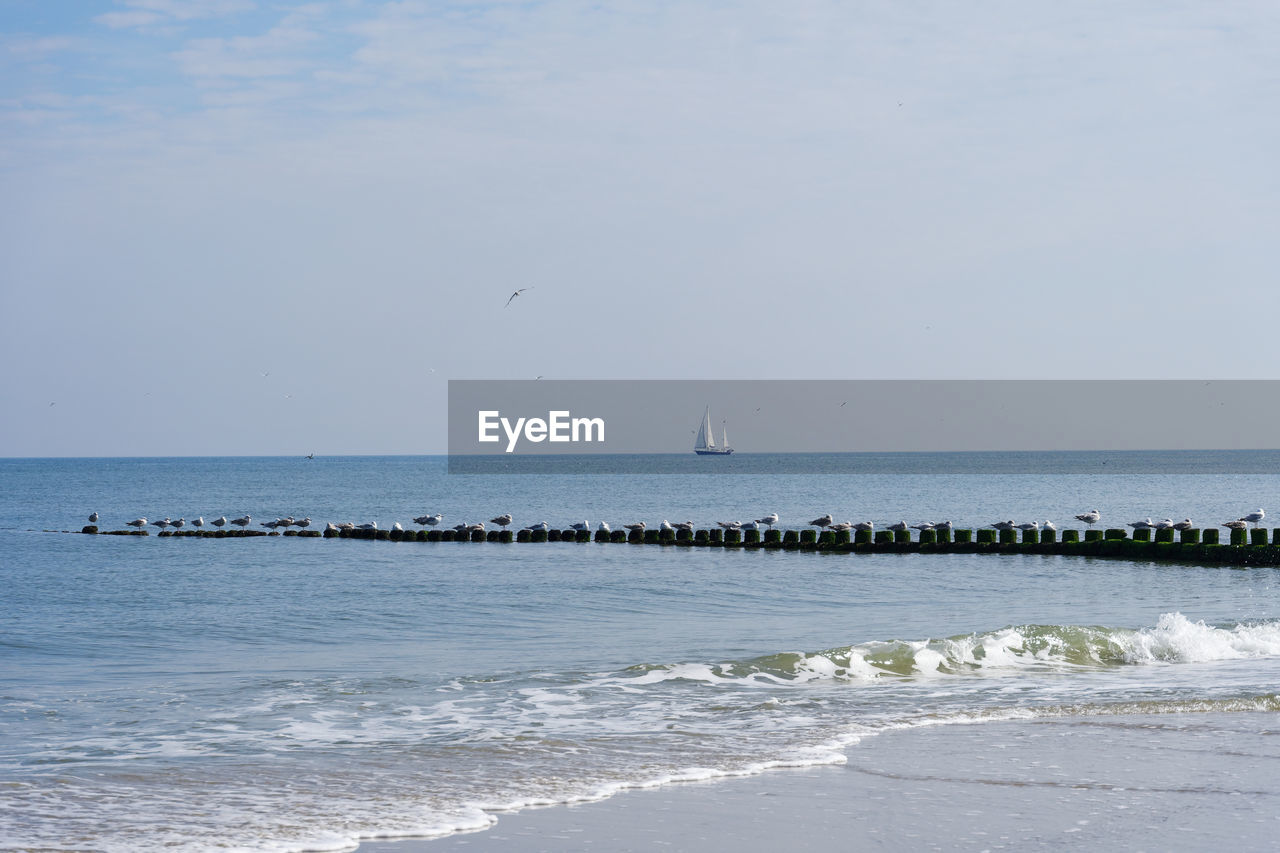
(665, 525)
(1167, 524)
(93, 518)
(179, 524)
(865, 526)
(604, 527)
(923, 526)
(198, 521)
(946, 525)
(1185, 524)
(752, 525)
(842, 526)
(397, 526)
(771, 519)
(825, 521)
(372, 525)
(729, 525)
(1241, 524)
(502, 520)
(432, 520)
(1255, 517)
(220, 521)
(285, 522)
(271, 524)
(541, 525)
(242, 522)
(514, 295)
(633, 527)
(306, 522)
(331, 528)
(162, 524)
(1003, 525)
(1142, 525)
(898, 525)
(1049, 525)
(685, 525)
(1090, 518)
(580, 525)
(1029, 525)
(138, 522)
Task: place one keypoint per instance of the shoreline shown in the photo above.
(1172, 781)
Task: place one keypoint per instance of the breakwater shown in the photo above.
(1256, 547)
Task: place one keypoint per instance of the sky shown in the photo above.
(261, 227)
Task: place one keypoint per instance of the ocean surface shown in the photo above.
(287, 694)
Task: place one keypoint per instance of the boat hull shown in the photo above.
(725, 452)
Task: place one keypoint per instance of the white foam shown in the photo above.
(1176, 639)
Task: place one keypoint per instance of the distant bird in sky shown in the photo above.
(514, 295)
(845, 403)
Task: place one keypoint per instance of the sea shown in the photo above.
(305, 694)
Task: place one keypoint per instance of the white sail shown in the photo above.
(724, 435)
(705, 437)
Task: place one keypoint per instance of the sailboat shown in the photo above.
(705, 443)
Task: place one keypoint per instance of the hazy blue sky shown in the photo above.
(250, 226)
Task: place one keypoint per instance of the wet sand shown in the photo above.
(1150, 782)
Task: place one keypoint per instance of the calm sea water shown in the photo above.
(303, 694)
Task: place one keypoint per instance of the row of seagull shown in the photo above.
(221, 521)
(826, 522)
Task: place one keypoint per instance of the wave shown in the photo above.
(1174, 639)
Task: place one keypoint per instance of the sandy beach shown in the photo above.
(1176, 782)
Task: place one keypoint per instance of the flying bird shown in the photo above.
(514, 295)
